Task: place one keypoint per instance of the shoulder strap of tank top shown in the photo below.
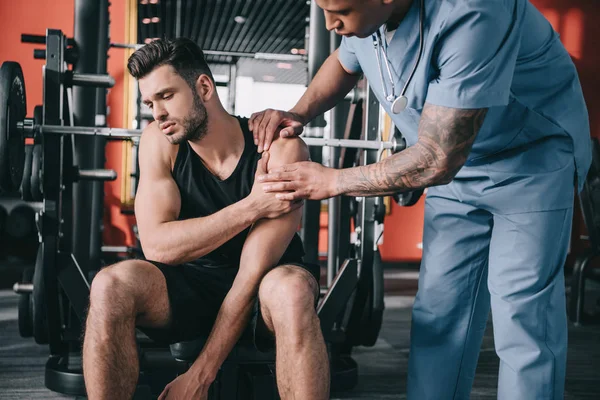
(182, 153)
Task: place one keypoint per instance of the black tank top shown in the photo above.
(202, 194)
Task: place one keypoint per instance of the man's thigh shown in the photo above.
(132, 286)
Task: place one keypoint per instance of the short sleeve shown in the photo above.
(348, 58)
(475, 56)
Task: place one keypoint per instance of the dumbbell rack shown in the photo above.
(60, 289)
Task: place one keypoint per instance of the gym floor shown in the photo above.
(382, 368)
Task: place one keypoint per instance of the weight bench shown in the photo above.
(246, 373)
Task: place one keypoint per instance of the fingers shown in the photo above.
(262, 127)
(261, 167)
(275, 176)
(254, 125)
(268, 126)
(251, 119)
(164, 394)
(265, 124)
(280, 187)
(295, 129)
(291, 196)
(271, 127)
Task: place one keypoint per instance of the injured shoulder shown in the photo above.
(286, 151)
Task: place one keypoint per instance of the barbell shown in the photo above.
(29, 130)
(15, 128)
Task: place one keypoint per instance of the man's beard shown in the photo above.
(195, 125)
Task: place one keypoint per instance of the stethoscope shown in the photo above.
(398, 103)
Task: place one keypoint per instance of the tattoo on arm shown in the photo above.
(445, 139)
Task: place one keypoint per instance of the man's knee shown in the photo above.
(288, 291)
(114, 288)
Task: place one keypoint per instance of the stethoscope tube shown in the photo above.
(399, 103)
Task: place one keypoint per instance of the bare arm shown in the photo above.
(157, 206)
(445, 139)
(329, 86)
(263, 248)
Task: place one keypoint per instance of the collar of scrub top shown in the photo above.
(398, 103)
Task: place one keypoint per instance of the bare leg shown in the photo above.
(122, 295)
(287, 295)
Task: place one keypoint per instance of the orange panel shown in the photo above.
(32, 17)
(117, 229)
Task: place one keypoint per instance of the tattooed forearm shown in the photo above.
(445, 139)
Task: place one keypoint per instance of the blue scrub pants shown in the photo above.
(474, 260)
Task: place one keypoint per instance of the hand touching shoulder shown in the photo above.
(287, 151)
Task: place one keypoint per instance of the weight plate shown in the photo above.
(26, 307)
(372, 317)
(40, 321)
(37, 161)
(38, 115)
(3, 218)
(21, 222)
(26, 182)
(13, 108)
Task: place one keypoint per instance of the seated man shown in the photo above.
(223, 256)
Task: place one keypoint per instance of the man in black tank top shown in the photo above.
(222, 256)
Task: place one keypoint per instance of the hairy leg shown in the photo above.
(287, 296)
(122, 296)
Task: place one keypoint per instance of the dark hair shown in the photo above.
(182, 54)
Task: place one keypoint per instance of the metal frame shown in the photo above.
(256, 56)
(31, 130)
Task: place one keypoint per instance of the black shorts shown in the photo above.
(195, 297)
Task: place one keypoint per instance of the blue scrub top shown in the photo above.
(497, 54)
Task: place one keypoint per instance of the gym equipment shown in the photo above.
(13, 108)
(257, 56)
(37, 160)
(589, 200)
(26, 305)
(12, 141)
(25, 188)
(366, 315)
(3, 216)
(20, 222)
(408, 199)
(30, 130)
(59, 288)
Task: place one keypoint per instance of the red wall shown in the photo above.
(33, 17)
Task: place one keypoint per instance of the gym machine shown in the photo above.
(582, 271)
